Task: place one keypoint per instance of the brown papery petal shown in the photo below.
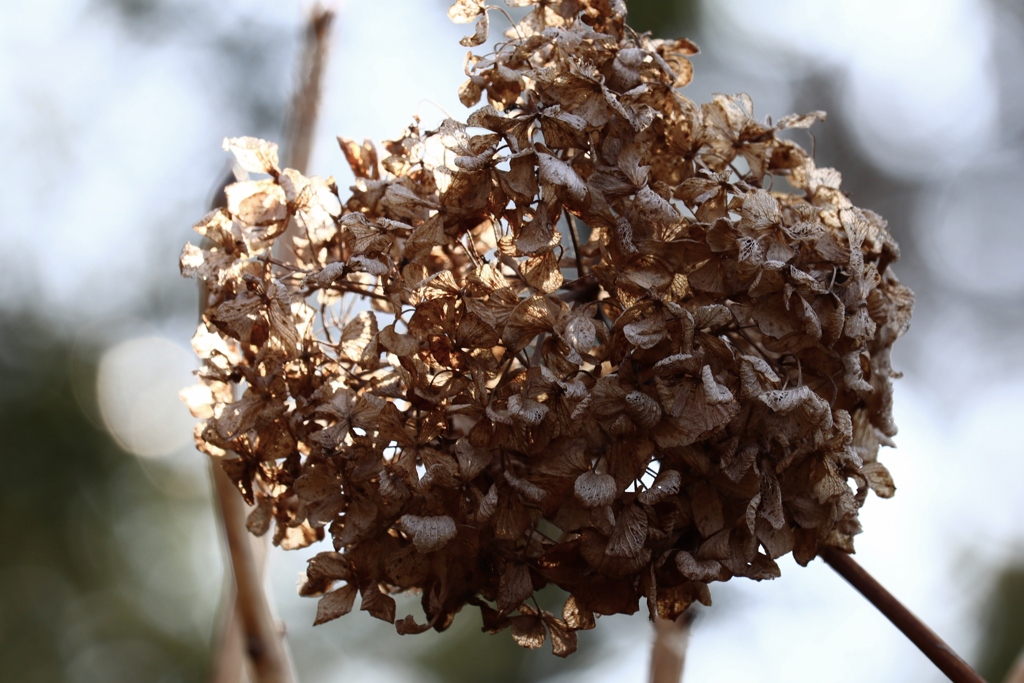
(429, 533)
(595, 490)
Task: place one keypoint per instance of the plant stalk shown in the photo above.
(229, 663)
(260, 638)
(306, 103)
(926, 640)
(248, 630)
(574, 234)
(668, 653)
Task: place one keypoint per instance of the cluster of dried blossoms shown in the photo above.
(474, 401)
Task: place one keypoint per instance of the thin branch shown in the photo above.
(260, 636)
(581, 289)
(305, 107)
(926, 640)
(306, 102)
(581, 271)
(228, 649)
(668, 653)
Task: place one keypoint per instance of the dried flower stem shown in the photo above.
(581, 270)
(260, 636)
(933, 647)
(306, 103)
(668, 653)
(248, 629)
(228, 651)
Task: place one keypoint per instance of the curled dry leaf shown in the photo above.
(473, 397)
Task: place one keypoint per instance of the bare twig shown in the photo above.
(668, 654)
(248, 630)
(228, 649)
(575, 235)
(302, 115)
(262, 641)
(926, 640)
(306, 102)
(241, 647)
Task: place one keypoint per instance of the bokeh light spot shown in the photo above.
(137, 390)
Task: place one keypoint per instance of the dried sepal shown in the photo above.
(514, 588)
(254, 155)
(563, 637)
(429, 533)
(335, 604)
(378, 603)
(528, 631)
(595, 490)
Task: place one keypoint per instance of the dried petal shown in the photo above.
(665, 484)
(563, 638)
(335, 604)
(428, 533)
(515, 588)
(595, 490)
(378, 604)
(253, 155)
(528, 631)
(630, 533)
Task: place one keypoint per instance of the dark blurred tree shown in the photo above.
(1002, 624)
(664, 18)
(73, 607)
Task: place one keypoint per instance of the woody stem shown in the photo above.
(262, 642)
(574, 234)
(668, 652)
(926, 640)
(249, 633)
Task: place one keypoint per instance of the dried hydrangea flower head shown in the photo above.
(576, 340)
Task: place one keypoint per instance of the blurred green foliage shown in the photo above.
(76, 513)
(1002, 624)
(664, 18)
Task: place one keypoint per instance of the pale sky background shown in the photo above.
(109, 140)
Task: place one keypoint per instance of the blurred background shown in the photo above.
(112, 114)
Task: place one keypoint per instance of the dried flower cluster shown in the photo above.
(577, 340)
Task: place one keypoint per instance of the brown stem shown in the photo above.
(306, 102)
(302, 114)
(575, 235)
(668, 654)
(248, 630)
(584, 289)
(926, 640)
(228, 649)
(259, 633)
